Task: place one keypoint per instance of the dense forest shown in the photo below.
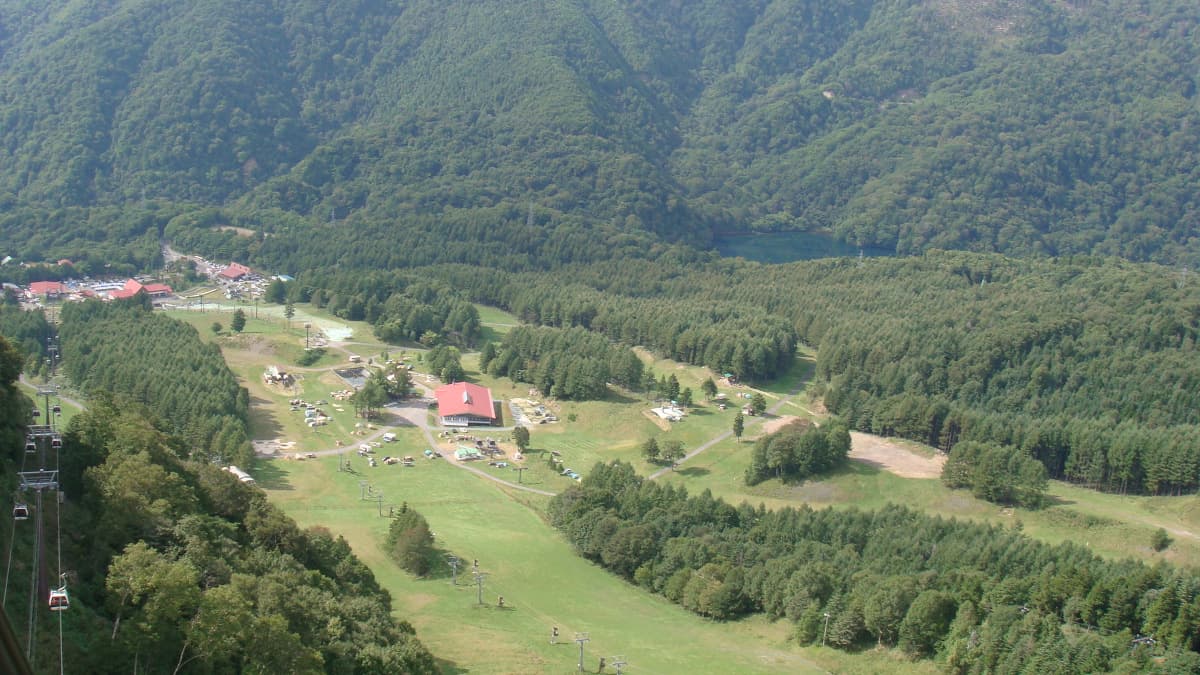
(123, 348)
(979, 598)
(175, 566)
(1088, 365)
(568, 363)
(597, 128)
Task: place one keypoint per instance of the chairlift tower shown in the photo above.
(479, 577)
(39, 480)
(582, 638)
(617, 662)
(453, 561)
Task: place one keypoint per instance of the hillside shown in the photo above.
(587, 129)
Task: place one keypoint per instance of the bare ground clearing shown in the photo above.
(893, 457)
(771, 426)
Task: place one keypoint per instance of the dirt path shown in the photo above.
(893, 457)
(764, 421)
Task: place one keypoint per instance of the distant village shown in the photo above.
(236, 281)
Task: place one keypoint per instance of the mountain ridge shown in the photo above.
(1027, 128)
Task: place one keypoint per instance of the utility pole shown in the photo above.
(479, 577)
(453, 562)
(826, 631)
(520, 472)
(581, 638)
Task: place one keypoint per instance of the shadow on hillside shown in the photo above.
(447, 667)
(439, 566)
(269, 476)
(693, 471)
(616, 395)
(857, 467)
(264, 425)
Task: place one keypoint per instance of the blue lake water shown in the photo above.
(782, 247)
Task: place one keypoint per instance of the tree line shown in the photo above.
(979, 598)
(797, 451)
(400, 306)
(161, 363)
(571, 363)
(176, 566)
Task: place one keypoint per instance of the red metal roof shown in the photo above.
(129, 290)
(234, 271)
(464, 398)
(45, 287)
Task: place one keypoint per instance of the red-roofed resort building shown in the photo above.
(463, 404)
(132, 287)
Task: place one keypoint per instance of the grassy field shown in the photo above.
(496, 322)
(543, 582)
(1112, 525)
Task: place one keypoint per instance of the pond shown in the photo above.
(782, 247)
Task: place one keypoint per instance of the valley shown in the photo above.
(545, 584)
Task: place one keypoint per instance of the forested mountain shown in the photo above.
(587, 129)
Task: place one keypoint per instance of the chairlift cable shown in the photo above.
(11, 541)
(33, 582)
(58, 498)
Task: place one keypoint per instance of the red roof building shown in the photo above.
(132, 287)
(234, 272)
(49, 289)
(462, 404)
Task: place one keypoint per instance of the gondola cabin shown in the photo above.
(37, 413)
(56, 443)
(57, 409)
(59, 600)
(30, 446)
(20, 512)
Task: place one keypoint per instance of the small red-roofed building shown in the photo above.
(234, 272)
(132, 286)
(158, 290)
(463, 404)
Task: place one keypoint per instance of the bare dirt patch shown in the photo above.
(771, 426)
(893, 457)
(658, 421)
